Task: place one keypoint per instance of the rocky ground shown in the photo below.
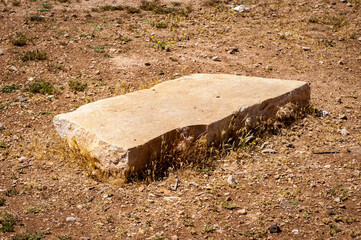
(58, 55)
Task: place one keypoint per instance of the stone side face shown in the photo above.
(127, 132)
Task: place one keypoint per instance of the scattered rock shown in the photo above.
(341, 62)
(344, 132)
(321, 113)
(343, 1)
(242, 212)
(23, 159)
(2, 126)
(70, 219)
(306, 48)
(147, 64)
(233, 51)
(85, 238)
(216, 59)
(231, 180)
(274, 228)
(241, 8)
(327, 166)
(174, 237)
(349, 5)
(295, 231)
(338, 200)
(339, 100)
(194, 184)
(269, 150)
(13, 69)
(22, 99)
(342, 116)
(1, 52)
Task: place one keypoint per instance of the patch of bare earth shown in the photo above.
(89, 51)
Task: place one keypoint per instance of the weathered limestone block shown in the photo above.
(128, 130)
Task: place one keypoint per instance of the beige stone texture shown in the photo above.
(128, 130)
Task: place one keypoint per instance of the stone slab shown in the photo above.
(128, 130)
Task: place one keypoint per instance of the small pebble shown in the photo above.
(22, 99)
(2, 126)
(306, 48)
(344, 132)
(295, 231)
(70, 219)
(327, 166)
(231, 180)
(1, 52)
(194, 184)
(22, 159)
(343, 117)
(216, 59)
(242, 212)
(269, 150)
(274, 228)
(13, 68)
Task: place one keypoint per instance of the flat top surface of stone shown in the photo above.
(200, 99)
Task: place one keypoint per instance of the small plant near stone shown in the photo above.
(34, 55)
(46, 5)
(208, 228)
(162, 44)
(106, 55)
(355, 234)
(333, 229)
(65, 237)
(36, 18)
(212, 3)
(161, 25)
(176, 4)
(7, 221)
(10, 88)
(40, 86)
(16, 3)
(2, 143)
(29, 236)
(157, 8)
(2, 201)
(228, 205)
(98, 48)
(36, 209)
(338, 191)
(313, 20)
(188, 223)
(254, 233)
(20, 40)
(111, 8)
(75, 85)
(123, 39)
(11, 192)
(132, 10)
(350, 220)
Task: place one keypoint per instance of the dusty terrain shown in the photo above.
(58, 55)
